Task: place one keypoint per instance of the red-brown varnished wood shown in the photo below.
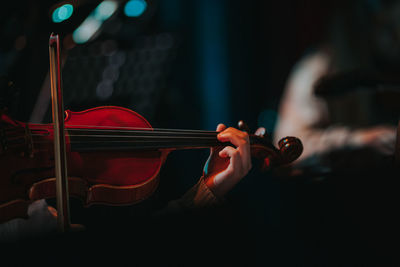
(106, 177)
(117, 168)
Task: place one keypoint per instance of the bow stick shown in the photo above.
(63, 218)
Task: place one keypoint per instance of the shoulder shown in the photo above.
(306, 72)
(315, 62)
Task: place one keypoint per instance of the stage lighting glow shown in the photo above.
(87, 29)
(93, 22)
(135, 8)
(104, 10)
(62, 13)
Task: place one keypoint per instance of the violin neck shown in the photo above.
(127, 140)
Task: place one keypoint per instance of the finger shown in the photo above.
(238, 159)
(235, 164)
(228, 151)
(241, 141)
(235, 136)
(221, 127)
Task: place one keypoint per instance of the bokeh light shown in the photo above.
(87, 29)
(135, 8)
(93, 22)
(104, 10)
(62, 13)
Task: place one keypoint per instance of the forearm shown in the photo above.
(199, 196)
(318, 141)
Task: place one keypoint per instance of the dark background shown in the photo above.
(246, 48)
(190, 65)
(182, 64)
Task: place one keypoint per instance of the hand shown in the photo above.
(41, 221)
(226, 166)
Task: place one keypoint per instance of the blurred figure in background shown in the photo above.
(353, 125)
(342, 101)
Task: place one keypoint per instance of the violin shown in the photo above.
(113, 155)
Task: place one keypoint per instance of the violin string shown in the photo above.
(116, 128)
(139, 134)
(136, 136)
(128, 128)
(134, 141)
(152, 135)
(83, 126)
(146, 131)
(22, 137)
(142, 137)
(130, 144)
(134, 133)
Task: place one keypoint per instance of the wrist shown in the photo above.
(217, 188)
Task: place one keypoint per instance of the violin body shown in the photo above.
(96, 176)
(113, 155)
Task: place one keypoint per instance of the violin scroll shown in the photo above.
(290, 149)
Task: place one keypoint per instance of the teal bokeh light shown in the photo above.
(62, 13)
(104, 10)
(135, 8)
